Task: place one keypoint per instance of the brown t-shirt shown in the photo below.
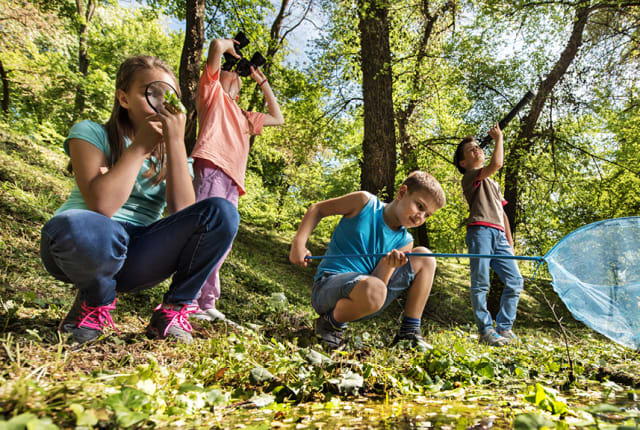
(485, 200)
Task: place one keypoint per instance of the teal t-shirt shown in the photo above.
(146, 202)
(365, 233)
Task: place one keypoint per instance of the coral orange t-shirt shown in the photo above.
(224, 129)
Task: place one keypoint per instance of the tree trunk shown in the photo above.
(521, 147)
(190, 66)
(85, 13)
(5, 91)
(378, 166)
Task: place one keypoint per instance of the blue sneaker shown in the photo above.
(508, 335)
(492, 338)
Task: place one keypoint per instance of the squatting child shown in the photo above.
(488, 232)
(352, 289)
(222, 148)
(110, 236)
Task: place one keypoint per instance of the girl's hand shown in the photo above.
(148, 135)
(395, 258)
(257, 75)
(229, 45)
(297, 255)
(173, 125)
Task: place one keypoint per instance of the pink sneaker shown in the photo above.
(171, 321)
(84, 322)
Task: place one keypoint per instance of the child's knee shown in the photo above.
(423, 263)
(515, 284)
(223, 217)
(375, 293)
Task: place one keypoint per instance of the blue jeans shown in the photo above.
(489, 240)
(101, 256)
(331, 287)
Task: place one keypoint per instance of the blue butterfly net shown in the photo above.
(596, 273)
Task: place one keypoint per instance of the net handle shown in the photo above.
(427, 254)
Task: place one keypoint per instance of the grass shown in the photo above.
(125, 380)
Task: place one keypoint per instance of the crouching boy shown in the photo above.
(357, 288)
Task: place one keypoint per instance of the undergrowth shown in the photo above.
(271, 367)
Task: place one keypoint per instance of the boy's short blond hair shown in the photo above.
(423, 181)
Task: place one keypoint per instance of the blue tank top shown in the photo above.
(365, 233)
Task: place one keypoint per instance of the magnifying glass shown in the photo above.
(161, 96)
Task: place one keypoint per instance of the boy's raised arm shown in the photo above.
(348, 205)
(498, 154)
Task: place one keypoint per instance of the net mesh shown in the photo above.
(596, 273)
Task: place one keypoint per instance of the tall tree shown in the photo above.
(190, 65)
(378, 168)
(5, 91)
(526, 138)
(85, 10)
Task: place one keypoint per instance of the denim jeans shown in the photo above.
(101, 256)
(489, 240)
(331, 287)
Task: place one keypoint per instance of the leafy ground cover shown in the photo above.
(270, 372)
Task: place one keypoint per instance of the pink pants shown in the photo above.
(209, 181)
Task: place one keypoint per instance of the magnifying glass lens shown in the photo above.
(157, 92)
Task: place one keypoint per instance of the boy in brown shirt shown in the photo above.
(488, 232)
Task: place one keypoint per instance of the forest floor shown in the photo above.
(271, 372)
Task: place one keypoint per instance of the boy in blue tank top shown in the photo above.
(353, 289)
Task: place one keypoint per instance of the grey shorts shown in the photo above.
(331, 287)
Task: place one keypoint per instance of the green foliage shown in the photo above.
(532, 421)
(481, 58)
(546, 399)
(172, 99)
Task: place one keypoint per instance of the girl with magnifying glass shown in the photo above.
(110, 236)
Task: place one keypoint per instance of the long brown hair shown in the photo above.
(119, 125)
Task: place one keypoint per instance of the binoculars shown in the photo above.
(508, 117)
(242, 65)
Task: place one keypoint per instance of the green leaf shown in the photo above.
(128, 398)
(185, 388)
(28, 421)
(602, 408)
(278, 301)
(172, 99)
(260, 375)
(485, 369)
(127, 419)
(20, 421)
(351, 383)
(41, 424)
(531, 421)
(317, 359)
(262, 400)
(216, 397)
(84, 417)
